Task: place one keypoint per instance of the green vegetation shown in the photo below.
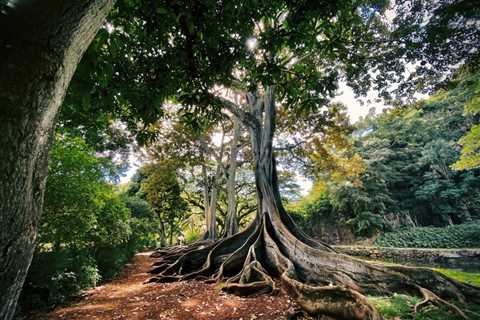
(472, 278)
(401, 174)
(470, 156)
(158, 185)
(400, 307)
(89, 230)
(465, 235)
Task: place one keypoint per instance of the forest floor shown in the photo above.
(128, 297)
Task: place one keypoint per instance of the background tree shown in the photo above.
(405, 175)
(77, 183)
(470, 158)
(162, 191)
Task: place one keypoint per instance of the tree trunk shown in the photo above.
(231, 221)
(171, 234)
(212, 207)
(205, 193)
(40, 46)
(161, 232)
(322, 281)
(211, 211)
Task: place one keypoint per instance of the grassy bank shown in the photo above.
(400, 307)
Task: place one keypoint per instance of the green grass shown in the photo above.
(400, 307)
(467, 277)
(472, 278)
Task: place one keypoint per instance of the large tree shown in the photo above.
(295, 54)
(41, 43)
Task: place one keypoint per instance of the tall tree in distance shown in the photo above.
(231, 220)
(162, 191)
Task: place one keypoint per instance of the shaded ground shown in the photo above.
(129, 298)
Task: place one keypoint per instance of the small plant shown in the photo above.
(192, 235)
(62, 286)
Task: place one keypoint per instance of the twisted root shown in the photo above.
(266, 256)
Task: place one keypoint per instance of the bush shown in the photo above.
(457, 236)
(192, 234)
(111, 260)
(88, 230)
(67, 274)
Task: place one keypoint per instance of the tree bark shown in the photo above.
(205, 192)
(322, 281)
(41, 44)
(211, 209)
(231, 220)
(162, 232)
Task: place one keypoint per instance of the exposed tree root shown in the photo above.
(323, 282)
(430, 297)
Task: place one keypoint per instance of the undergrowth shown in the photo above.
(400, 307)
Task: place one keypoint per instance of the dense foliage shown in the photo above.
(456, 236)
(470, 156)
(89, 230)
(407, 177)
(159, 186)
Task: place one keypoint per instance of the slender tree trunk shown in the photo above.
(206, 192)
(161, 232)
(211, 212)
(209, 193)
(41, 44)
(212, 208)
(231, 221)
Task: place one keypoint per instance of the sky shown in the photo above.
(355, 109)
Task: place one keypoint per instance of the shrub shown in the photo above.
(88, 230)
(111, 260)
(192, 234)
(465, 235)
(67, 274)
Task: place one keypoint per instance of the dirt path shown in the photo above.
(129, 298)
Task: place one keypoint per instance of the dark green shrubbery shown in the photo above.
(465, 235)
(88, 230)
(58, 275)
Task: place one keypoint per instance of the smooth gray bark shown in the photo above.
(231, 220)
(205, 193)
(41, 43)
(212, 207)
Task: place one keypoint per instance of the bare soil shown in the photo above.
(130, 298)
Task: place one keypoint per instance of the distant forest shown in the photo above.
(400, 168)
